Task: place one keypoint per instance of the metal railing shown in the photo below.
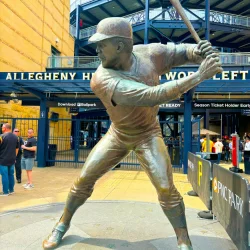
(73, 62)
(72, 30)
(171, 14)
(227, 59)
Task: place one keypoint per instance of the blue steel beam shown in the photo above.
(78, 12)
(158, 24)
(207, 20)
(121, 6)
(188, 97)
(233, 4)
(244, 42)
(42, 141)
(172, 33)
(198, 17)
(201, 1)
(93, 4)
(159, 32)
(215, 4)
(138, 37)
(88, 14)
(142, 4)
(235, 38)
(32, 91)
(208, 86)
(229, 28)
(146, 23)
(245, 12)
(219, 37)
(106, 11)
(156, 35)
(186, 36)
(244, 9)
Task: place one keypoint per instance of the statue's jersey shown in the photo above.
(150, 61)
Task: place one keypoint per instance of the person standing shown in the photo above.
(18, 168)
(230, 149)
(226, 149)
(218, 149)
(27, 162)
(8, 150)
(247, 144)
(207, 146)
(241, 148)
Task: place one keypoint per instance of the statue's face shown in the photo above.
(107, 52)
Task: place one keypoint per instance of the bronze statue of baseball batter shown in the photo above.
(127, 82)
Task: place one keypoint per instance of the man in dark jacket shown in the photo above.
(18, 168)
(8, 150)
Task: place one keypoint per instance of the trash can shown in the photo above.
(212, 157)
(247, 162)
(52, 149)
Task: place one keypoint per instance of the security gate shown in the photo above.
(71, 140)
(173, 134)
(196, 145)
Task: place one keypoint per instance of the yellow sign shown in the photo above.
(215, 185)
(199, 172)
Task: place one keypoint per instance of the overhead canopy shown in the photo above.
(204, 131)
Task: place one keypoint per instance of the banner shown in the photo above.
(221, 105)
(88, 104)
(231, 205)
(200, 177)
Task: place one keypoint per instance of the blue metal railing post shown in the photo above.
(77, 30)
(206, 122)
(77, 139)
(187, 128)
(13, 123)
(146, 21)
(207, 20)
(42, 138)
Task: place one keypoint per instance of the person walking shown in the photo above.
(8, 151)
(18, 168)
(127, 82)
(218, 149)
(27, 162)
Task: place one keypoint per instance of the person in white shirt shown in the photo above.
(218, 149)
(247, 144)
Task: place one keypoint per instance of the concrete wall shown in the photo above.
(28, 29)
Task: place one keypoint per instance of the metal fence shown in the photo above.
(73, 62)
(171, 14)
(71, 140)
(72, 149)
(92, 62)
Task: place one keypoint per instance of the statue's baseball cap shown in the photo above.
(112, 27)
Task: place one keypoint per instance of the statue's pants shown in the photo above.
(153, 157)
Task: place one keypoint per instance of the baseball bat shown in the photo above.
(180, 10)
